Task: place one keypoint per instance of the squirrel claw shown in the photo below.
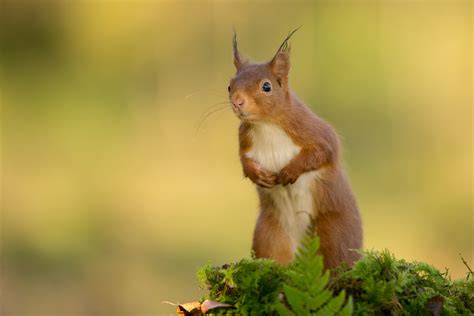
(260, 176)
(286, 177)
(266, 180)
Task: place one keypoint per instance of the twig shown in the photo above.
(470, 273)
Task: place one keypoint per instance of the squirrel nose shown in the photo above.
(237, 101)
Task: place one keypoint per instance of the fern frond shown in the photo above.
(296, 299)
(282, 310)
(334, 305)
(306, 288)
(321, 299)
(347, 309)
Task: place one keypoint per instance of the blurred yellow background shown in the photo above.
(111, 198)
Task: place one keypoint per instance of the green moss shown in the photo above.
(263, 287)
(378, 284)
(250, 285)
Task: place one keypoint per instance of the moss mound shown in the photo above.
(381, 284)
(378, 284)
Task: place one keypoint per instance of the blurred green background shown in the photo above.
(110, 196)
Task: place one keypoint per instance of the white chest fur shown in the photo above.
(273, 149)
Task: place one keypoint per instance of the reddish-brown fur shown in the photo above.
(269, 239)
(335, 216)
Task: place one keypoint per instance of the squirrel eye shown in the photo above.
(267, 86)
(228, 88)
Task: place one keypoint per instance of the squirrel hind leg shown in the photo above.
(270, 240)
(339, 239)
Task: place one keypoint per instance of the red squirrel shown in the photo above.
(293, 157)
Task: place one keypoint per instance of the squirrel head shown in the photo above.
(260, 91)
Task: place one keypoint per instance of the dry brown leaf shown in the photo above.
(196, 308)
(209, 305)
(193, 307)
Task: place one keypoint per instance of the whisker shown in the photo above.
(220, 93)
(207, 115)
(214, 106)
(215, 93)
(192, 94)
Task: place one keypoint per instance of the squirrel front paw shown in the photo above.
(287, 175)
(260, 176)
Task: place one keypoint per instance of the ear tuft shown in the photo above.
(238, 60)
(285, 47)
(280, 63)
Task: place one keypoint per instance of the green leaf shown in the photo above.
(282, 310)
(305, 290)
(296, 299)
(333, 306)
(320, 283)
(320, 300)
(347, 309)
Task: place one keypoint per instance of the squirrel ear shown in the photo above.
(239, 61)
(280, 64)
